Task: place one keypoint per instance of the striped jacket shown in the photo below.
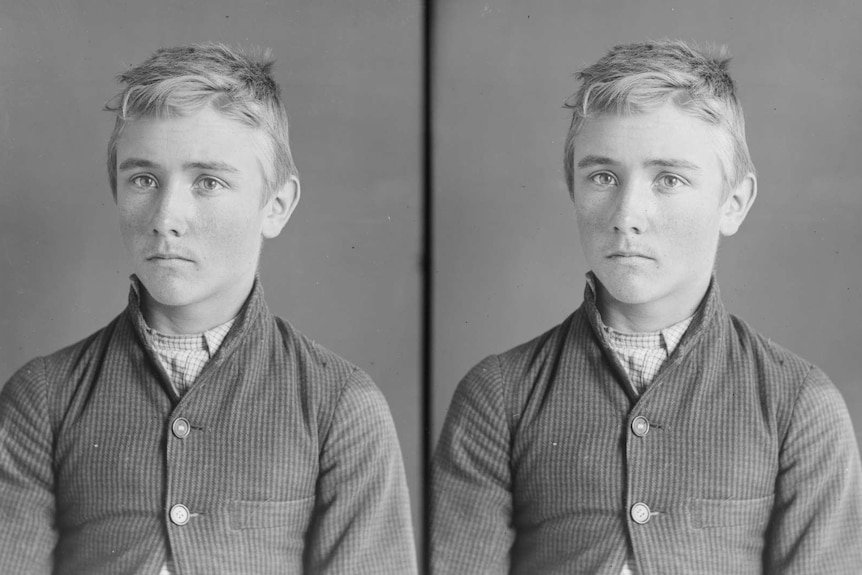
(739, 458)
(282, 458)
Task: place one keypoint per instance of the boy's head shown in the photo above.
(658, 170)
(636, 78)
(201, 172)
(178, 81)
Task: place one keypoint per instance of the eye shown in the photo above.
(210, 184)
(145, 181)
(603, 179)
(670, 181)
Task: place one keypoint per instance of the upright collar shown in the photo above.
(710, 306)
(253, 308)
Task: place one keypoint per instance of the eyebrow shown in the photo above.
(673, 163)
(213, 166)
(133, 163)
(591, 161)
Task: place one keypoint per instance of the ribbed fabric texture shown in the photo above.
(749, 464)
(290, 465)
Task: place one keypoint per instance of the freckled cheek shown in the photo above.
(131, 224)
(590, 225)
(695, 237)
(132, 215)
(230, 236)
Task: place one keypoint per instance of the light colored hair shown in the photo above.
(236, 83)
(635, 78)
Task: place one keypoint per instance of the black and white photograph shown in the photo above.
(438, 287)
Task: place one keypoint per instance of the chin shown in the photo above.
(630, 295)
(168, 291)
(628, 289)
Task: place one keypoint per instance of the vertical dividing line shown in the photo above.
(427, 280)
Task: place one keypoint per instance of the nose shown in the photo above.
(631, 208)
(171, 211)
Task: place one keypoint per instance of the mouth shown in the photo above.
(167, 258)
(625, 255)
(629, 258)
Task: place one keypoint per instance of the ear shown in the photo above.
(279, 208)
(737, 204)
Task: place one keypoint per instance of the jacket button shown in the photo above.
(181, 427)
(640, 426)
(179, 514)
(640, 513)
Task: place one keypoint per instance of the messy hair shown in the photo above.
(236, 83)
(635, 78)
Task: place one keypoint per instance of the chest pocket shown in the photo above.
(718, 513)
(294, 515)
(261, 537)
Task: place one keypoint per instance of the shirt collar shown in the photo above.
(208, 341)
(667, 339)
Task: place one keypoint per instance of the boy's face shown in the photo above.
(190, 192)
(650, 209)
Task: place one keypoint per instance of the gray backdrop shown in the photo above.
(508, 263)
(344, 271)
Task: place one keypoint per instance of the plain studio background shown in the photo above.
(345, 269)
(508, 262)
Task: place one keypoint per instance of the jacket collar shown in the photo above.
(705, 315)
(252, 310)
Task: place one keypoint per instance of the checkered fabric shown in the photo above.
(184, 356)
(281, 458)
(740, 457)
(643, 354)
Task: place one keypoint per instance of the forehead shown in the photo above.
(199, 136)
(664, 133)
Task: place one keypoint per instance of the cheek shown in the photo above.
(589, 222)
(131, 219)
(695, 236)
(233, 233)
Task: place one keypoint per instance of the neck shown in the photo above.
(190, 319)
(648, 317)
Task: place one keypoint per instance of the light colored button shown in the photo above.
(640, 426)
(640, 513)
(181, 427)
(180, 514)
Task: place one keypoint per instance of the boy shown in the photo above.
(197, 433)
(651, 431)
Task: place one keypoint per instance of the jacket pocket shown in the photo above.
(717, 513)
(295, 514)
(725, 536)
